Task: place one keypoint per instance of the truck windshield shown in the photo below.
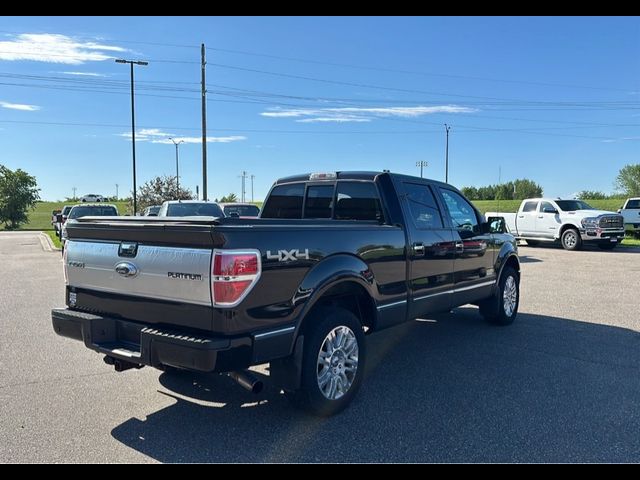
(573, 205)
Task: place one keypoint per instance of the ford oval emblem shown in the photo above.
(127, 269)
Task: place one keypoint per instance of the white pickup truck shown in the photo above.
(571, 222)
(630, 211)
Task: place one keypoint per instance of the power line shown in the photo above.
(465, 128)
(364, 85)
(412, 72)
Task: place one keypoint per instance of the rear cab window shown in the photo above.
(341, 200)
(530, 206)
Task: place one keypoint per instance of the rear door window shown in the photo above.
(423, 206)
(530, 207)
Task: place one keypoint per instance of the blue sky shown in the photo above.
(556, 100)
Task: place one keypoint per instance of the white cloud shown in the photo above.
(335, 119)
(360, 114)
(19, 106)
(84, 74)
(155, 135)
(621, 139)
(227, 139)
(54, 48)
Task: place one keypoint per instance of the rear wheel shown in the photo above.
(332, 362)
(571, 239)
(502, 308)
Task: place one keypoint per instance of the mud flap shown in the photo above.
(286, 372)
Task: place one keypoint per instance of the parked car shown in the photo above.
(571, 222)
(92, 197)
(630, 211)
(332, 258)
(244, 210)
(151, 211)
(58, 219)
(82, 210)
(190, 208)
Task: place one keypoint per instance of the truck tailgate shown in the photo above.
(162, 273)
(147, 271)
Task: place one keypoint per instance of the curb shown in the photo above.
(47, 244)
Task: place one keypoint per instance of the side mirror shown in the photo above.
(619, 210)
(494, 225)
(59, 218)
(549, 210)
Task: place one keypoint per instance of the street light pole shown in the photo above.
(422, 163)
(446, 161)
(133, 127)
(177, 144)
(252, 177)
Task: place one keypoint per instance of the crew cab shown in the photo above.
(333, 257)
(571, 222)
(630, 211)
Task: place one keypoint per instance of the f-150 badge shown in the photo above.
(288, 255)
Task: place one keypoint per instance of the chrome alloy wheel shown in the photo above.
(337, 362)
(509, 296)
(570, 239)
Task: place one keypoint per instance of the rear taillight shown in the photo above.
(234, 273)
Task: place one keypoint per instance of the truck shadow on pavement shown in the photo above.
(447, 389)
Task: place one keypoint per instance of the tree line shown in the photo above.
(627, 184)
(513, 190)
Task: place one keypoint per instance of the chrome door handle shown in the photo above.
(418, 248)
(540, 216)
(459, 247)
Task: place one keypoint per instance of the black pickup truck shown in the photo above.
(332, 258)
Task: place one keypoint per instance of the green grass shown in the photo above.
(40, 217)
(511, 206)
(631, 242)
(54, 238)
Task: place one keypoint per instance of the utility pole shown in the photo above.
(177, 144)
(252, 177)
(244, 175)
(133, 127)
(74, 192)
(117, 192)
(446, 161)
(203, 64)
(422, 163)
(197, 192)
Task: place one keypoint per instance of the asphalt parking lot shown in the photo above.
(560, 385)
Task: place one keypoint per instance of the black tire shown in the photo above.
(310, 397)
(533, 243)
(493, 309)
(608, 245)
(571, 239)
